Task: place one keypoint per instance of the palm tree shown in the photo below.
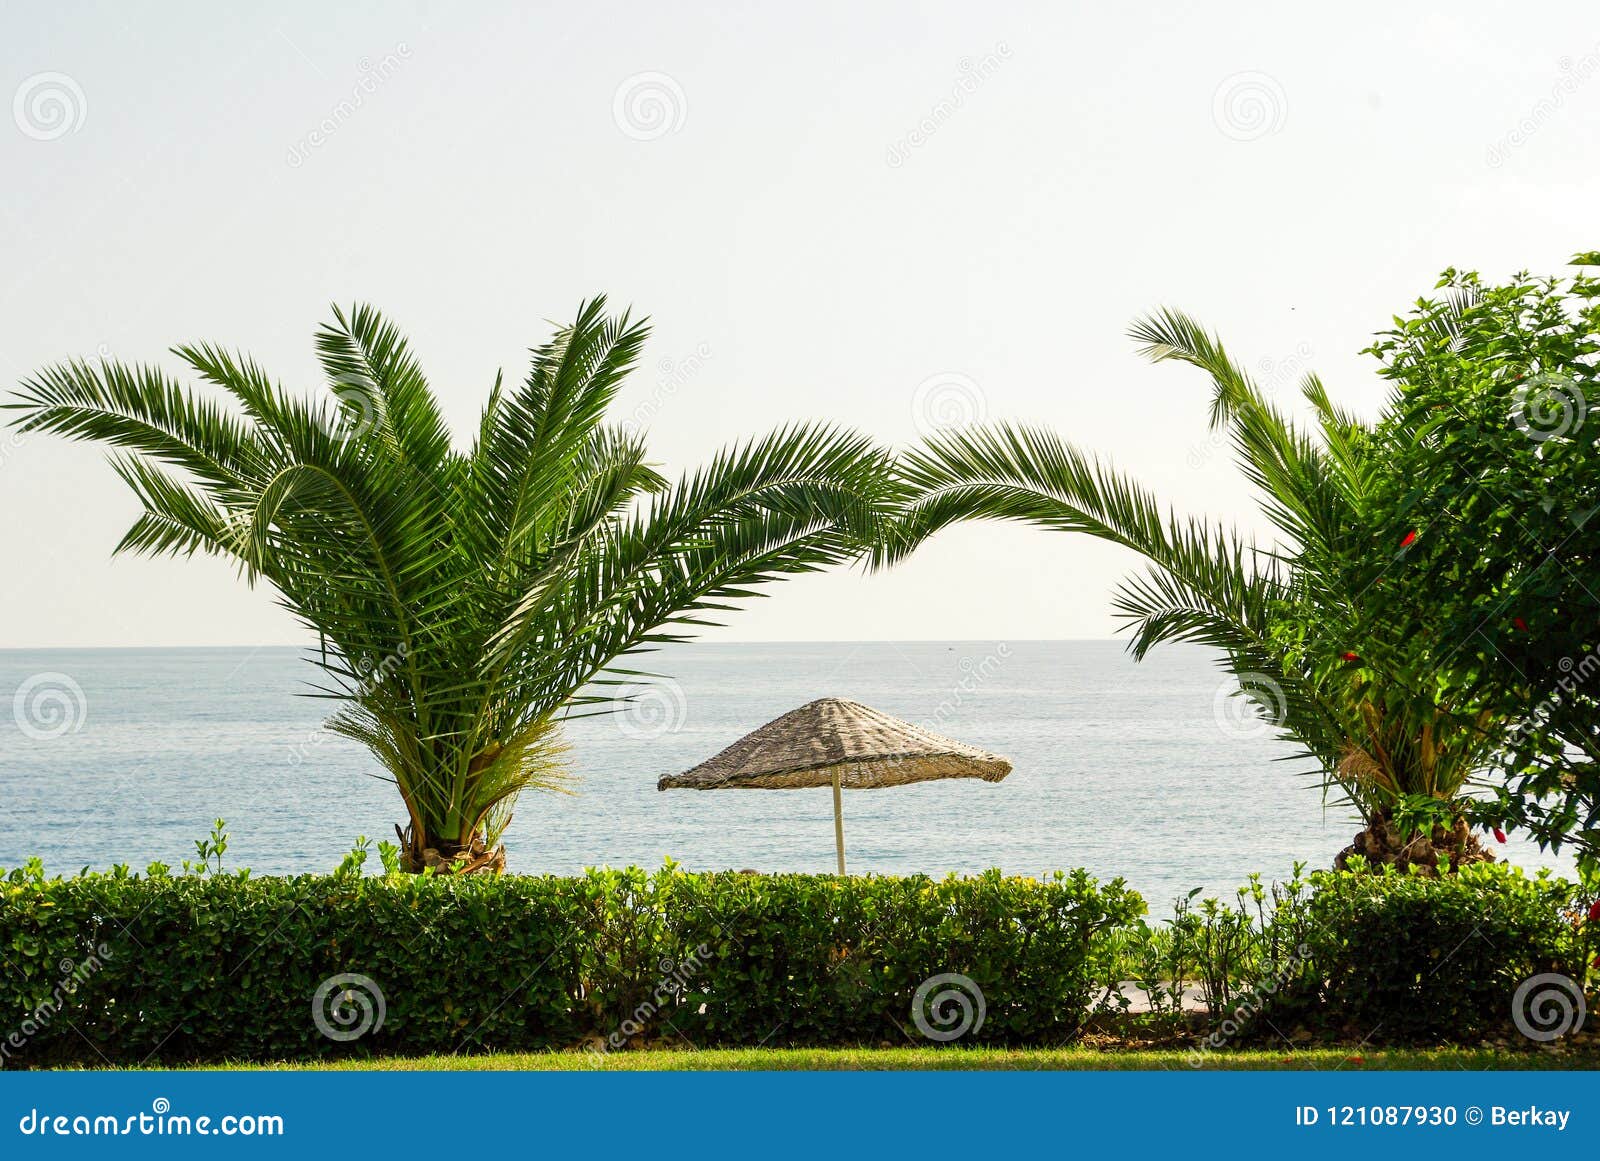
(466, 600)
(1287, 618)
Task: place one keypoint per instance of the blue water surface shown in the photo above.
(1148, 771)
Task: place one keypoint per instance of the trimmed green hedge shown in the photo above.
(207, 968)
(1406, 959)
(120, 969)
(802, 959)
(115, 968)
(1372, 956)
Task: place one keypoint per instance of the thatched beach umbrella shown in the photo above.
(843, 744)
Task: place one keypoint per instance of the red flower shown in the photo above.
(1499, 835)
(1348, 657)
(1520, 623)
(1410, 537)
(1355, 1059)
(1594, 911)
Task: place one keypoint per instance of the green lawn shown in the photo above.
(1079, 1058)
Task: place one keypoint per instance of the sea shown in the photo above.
(1152, 771)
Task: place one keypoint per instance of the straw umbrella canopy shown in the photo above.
(838, 743)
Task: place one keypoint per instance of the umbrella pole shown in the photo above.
(838, 819)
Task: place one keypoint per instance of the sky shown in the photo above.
(892, 216)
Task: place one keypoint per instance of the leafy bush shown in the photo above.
(123, 969)
(1406, 958)
(804, 959)
(1237, 954)
(190, 967)
(1489, 454)
(1389, 957)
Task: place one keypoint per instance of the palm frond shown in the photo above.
(466, 601)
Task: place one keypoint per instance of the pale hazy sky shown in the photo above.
(886, 215)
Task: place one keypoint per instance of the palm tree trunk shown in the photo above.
(420, 852)
(1382, 843)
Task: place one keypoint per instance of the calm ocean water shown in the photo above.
(1139, 770)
